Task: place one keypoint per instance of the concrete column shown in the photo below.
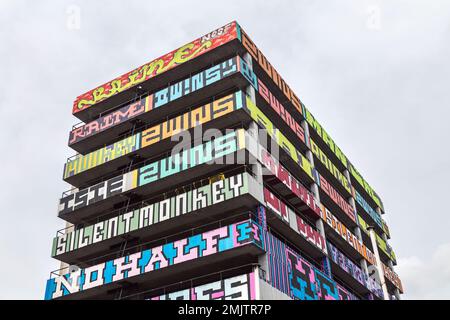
(315, 191)
(357, 229)
(256, 166)
(253, 127)
(379, 265)
(362, 262)
(390, 263)
(314, 188)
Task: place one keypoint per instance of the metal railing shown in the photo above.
(246, 215)
(145, 93)
(150, 200)
(192, 282)
(145, 126)
(144, 162)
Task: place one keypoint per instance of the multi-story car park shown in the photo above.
(202, 175)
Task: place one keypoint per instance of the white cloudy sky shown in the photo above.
(375, 73)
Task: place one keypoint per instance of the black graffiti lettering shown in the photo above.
(81, 199)
(65, 202)
(96, 190)
(114, 186)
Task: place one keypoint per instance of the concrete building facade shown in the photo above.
(202, 175)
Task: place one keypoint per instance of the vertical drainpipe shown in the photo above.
(315, 191)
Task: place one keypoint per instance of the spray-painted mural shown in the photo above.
(240, 287)
(380, 241)
(284, 176)
(154, 134)
(264, 64)
(110, 120)
(294, 221)
(157, 100)
(169, 61)
(148, 215)
(330, 166)
(354, 270)
(344, 294)
(368, 209)
(271, 100)
(278, 137)
(347, 235)
(81, 163)
(184, 250)
(186, 159)
(196, 82)
(306, 114)
(259, 58)
(313, 123)
(392, 277)
(164, 130)
(326, 187)
(295, 276)
(363, 183)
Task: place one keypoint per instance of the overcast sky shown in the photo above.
(375, 74)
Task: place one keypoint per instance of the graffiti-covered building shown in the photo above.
(202, 175)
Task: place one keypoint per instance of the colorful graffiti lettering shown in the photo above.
(325, 137)
(270, 71)
(162, 98)
(156, 67)
(354, 270)
(279, 138)
(271, 100)
(235, 288)
(294, 221)
(392, 277)
(295, 276)
(98, 157)
(368, 209)
(344, 294)
(284, 176)
(337, 198)
(198, 116)
(148, 215)
(195, 83)
(380, 241)
(330, 166)
(110, 120)
(209, 151)
(188, 249)
(363, 183)
(347, 235)
(154, 134)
